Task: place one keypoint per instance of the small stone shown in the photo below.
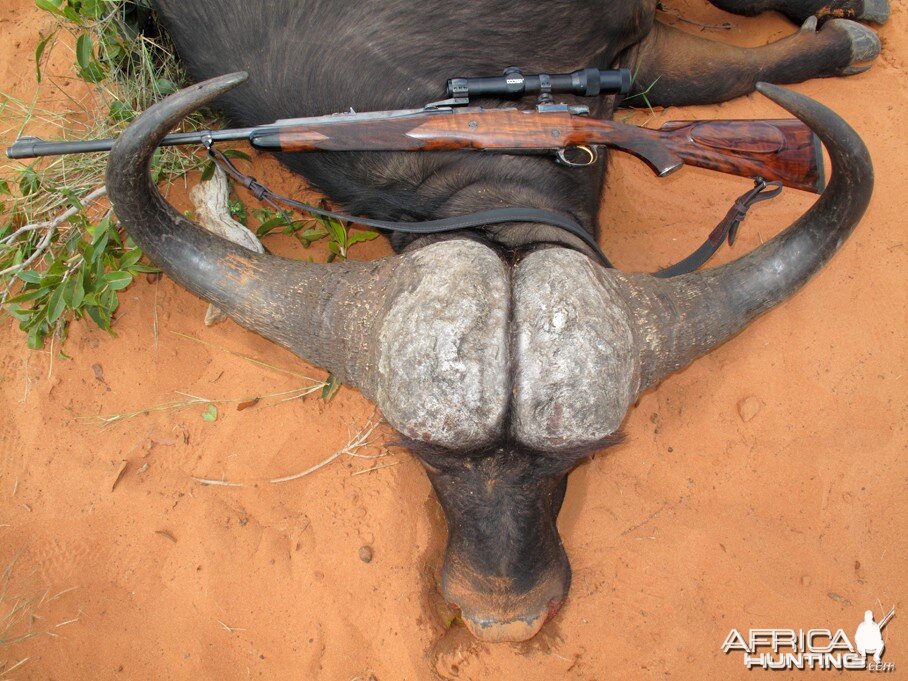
(805, 580)
(749, 407)
(365, 554)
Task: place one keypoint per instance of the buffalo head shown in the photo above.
(502, 374)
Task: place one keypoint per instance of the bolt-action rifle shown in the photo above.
(782, 150)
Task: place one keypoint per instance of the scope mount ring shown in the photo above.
(591, 153)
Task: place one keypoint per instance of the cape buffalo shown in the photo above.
(504, 356)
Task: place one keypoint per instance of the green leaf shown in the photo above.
(73, 200)
(100, 317)
(73, 242)
(208, 171)
(100, 233)
(338, 232)
(70, 13)
(359, 236)
(112, 48)
(131, 258)
(165, 86)
(109, 301)
(264, 214)
(54, 273)
(117, 280)
(4, 188)
(269, 225)
(210, 414)
(90, 69)
(78, 294)
(142, 268)
(311, 235)
(30, 276)
(331, 387)
(121, 112)
(84, 51)
(28, 295)
(99, 267)
(95, 73)
(236, 153)
(35, 338)
(39, 52)
(237, 210)
(156, 169)
(93, 9)
(52, 6)
(29, 183)
(55, 305)
(17, 312)
(99, 245)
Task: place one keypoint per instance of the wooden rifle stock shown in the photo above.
(784, 150)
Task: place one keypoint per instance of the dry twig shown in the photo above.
(358, 441)
(51, 227)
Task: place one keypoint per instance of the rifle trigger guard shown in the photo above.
(591, 156)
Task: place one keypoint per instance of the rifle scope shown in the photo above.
(584, 82)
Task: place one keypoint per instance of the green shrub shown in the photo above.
(62, 253)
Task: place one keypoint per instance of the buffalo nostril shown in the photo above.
(494, 630)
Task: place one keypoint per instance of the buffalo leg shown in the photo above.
(876, 11)
(674, 68)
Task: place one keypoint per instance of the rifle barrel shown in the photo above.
(33, 147)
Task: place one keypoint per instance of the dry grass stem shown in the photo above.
(20, 620)
(248, 358)
(63, 624)
(287, 395)
(217, 483)
(121, 471)
(374, 468)
(356, 442)
(15, 666)
(166, 535)
(724, 26)
(359, 441)
(229, 628)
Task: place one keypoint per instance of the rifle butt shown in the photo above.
(785, 150)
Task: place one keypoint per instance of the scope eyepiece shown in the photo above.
(512, 84)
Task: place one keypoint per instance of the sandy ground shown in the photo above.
(699, 523)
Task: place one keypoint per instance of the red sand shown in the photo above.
(699, 523)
